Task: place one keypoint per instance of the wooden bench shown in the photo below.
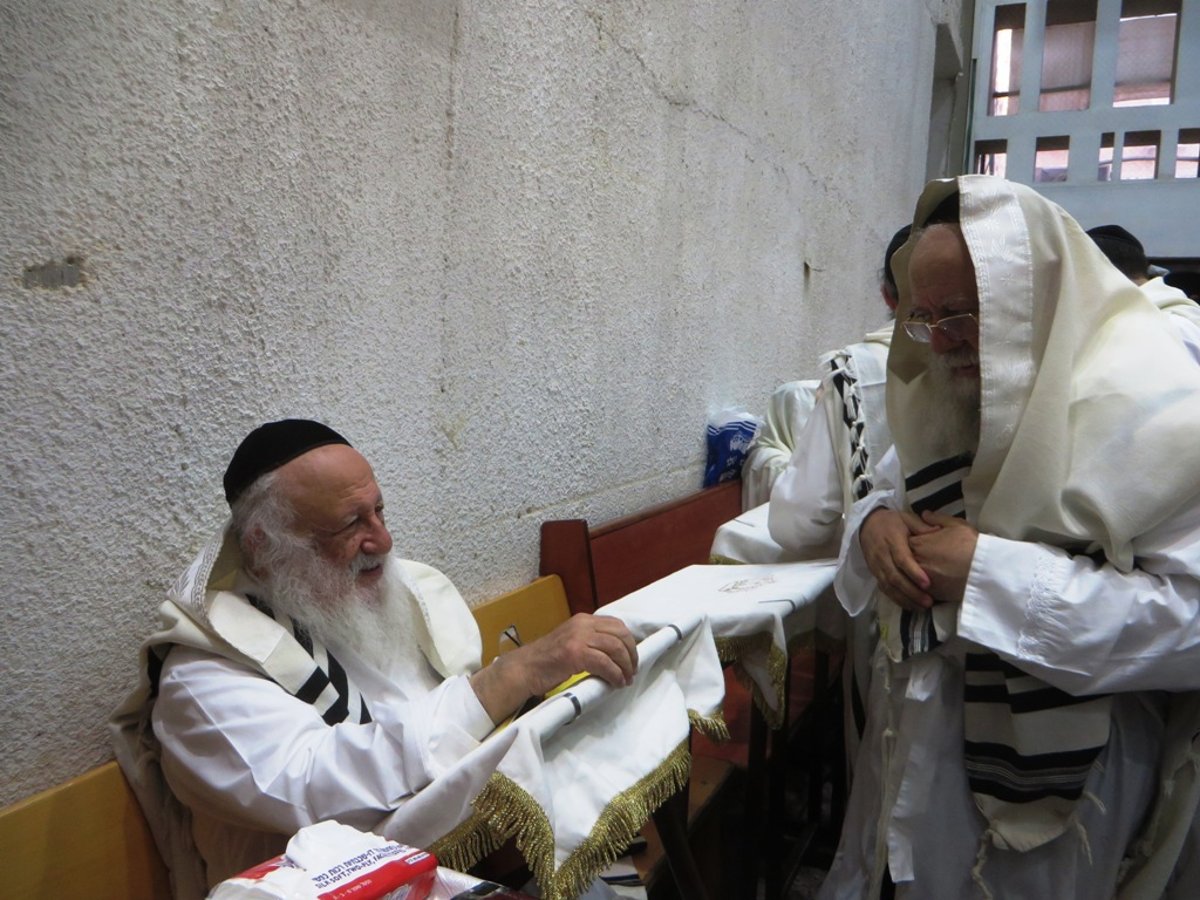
(84, 838)
(602, 563)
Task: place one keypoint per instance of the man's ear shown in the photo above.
(892, 302)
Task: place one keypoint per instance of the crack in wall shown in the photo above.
(684, 103)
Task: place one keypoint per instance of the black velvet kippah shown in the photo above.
(1115, 233)
(269, 446)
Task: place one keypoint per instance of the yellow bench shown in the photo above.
(84, 838)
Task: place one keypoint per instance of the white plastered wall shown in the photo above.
(514, 251)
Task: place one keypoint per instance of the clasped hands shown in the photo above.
(918, 561)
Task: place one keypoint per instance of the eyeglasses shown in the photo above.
(958, 327)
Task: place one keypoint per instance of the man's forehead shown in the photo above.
(941, 271)
(324, 480)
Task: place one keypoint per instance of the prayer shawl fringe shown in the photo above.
(504, 810)
(1147, 870)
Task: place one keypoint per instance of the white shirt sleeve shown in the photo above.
(1088, 628)
(854, 583)
(238, 747)
(805, 514)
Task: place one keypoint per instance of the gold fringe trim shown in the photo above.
(711, 726)
(467, 844)
(716, 559)
(735, 649)
(510, 811)
(732, 649)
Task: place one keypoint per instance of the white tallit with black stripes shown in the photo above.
(1080, 375)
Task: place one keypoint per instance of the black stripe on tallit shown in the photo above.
(311, 689)
(1027, 793)
(939, 500)
(1024, 701)
(1044, 697)
(985, 693)
(341, 707)
(939, 469)
(990, 662)
(999, 771)
(261, 606)
(303, 638)
(365, 716)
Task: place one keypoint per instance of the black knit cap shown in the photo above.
(1116, 234)
(1122, 249)
(269, 446)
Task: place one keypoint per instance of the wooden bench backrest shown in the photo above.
(602, 563)
(533, 610)
(84, 838)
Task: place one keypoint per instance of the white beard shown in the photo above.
(954, 417)
(376, 624)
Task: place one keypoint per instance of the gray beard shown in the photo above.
(375, 624)
(954, 419)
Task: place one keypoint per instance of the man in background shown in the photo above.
(832, 466)
(1127, 253)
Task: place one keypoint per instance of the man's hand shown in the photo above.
(884, 538)
(945, 554)
(600, 645)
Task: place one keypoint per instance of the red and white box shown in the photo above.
(329, 861)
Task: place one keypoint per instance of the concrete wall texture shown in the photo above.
(515, 251)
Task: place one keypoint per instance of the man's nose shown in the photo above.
(378, 540)
(939, 343)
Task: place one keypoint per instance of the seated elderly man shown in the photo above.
(1031, 715)
(301, 672)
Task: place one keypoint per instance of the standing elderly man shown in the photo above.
(1037, 590)
(302, 673)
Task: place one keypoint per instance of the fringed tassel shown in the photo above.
(1083, 838)
(470, 842)
(980, 861)
(510, 811)
(711, 726)
(735, 649)
(732, 649)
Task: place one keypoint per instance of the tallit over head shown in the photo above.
(1090, 428)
